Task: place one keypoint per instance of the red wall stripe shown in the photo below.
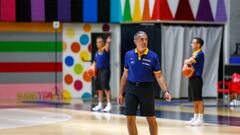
(156, 10)
(165, 12)
(30, 67)
(184, 11)
(8, 10)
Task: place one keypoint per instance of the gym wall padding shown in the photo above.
(8, 10)
(38, 10)
(23, 10)
(64, 10)
(184, 11)
(51, 13)
(221, 16)
(27, 59)
(76, 10)
(115, 11)
(204, 11)
(103, 10)
(90, 10)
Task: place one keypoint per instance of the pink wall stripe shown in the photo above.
(10, 91)
(0, 10)
(8, 10)
(38, 10)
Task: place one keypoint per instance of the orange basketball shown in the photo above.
(92, 71)
(187, 71)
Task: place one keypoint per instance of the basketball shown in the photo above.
(187, 71)
(92, 71)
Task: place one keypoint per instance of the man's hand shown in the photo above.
(120, 99)
(109, 40)
(167, 96)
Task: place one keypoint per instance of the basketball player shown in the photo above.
(196, 82)
(140, 68)
(102, 62)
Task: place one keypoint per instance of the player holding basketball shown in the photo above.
(140, 68)
(196, 82)
(102, 63)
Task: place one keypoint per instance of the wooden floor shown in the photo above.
(25, 119)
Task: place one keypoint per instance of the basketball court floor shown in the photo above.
(77, 118)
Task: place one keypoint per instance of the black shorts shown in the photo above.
(142, 95)
(102, 79)
(195, 88)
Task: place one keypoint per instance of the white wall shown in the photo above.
(115, 59)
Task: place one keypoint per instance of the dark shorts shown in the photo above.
(195, 88)
(102, 79)
(142, 96)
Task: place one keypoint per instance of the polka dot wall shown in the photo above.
(77, 47)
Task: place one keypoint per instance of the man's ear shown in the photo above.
(199, 46)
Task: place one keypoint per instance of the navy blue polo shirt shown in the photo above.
(198, 62)
(102, 59)
(140, 67)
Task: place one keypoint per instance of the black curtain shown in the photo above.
(154, 42)
(103, 10)
(51, 10)
(23, 10)
(76, 10)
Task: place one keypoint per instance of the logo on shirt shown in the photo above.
(144, 59)
(147, 64)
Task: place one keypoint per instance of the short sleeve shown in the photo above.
(197, 57)
(126, 62)
(156, 65)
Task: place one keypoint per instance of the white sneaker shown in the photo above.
(192, 120)
(234, 102)
(197, 122)
(107, 108)
(98, 107)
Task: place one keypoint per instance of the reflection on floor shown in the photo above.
(77, 118)
(222, 114)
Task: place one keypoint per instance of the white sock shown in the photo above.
(200, 116)
(195, 116)
(99, 103)
(108, 104)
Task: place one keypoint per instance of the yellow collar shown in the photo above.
(101, 49)
(195, 52)
(145, 52)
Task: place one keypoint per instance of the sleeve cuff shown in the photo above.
(193, 60)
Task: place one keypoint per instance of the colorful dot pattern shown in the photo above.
(77, 49)
(84, 39)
